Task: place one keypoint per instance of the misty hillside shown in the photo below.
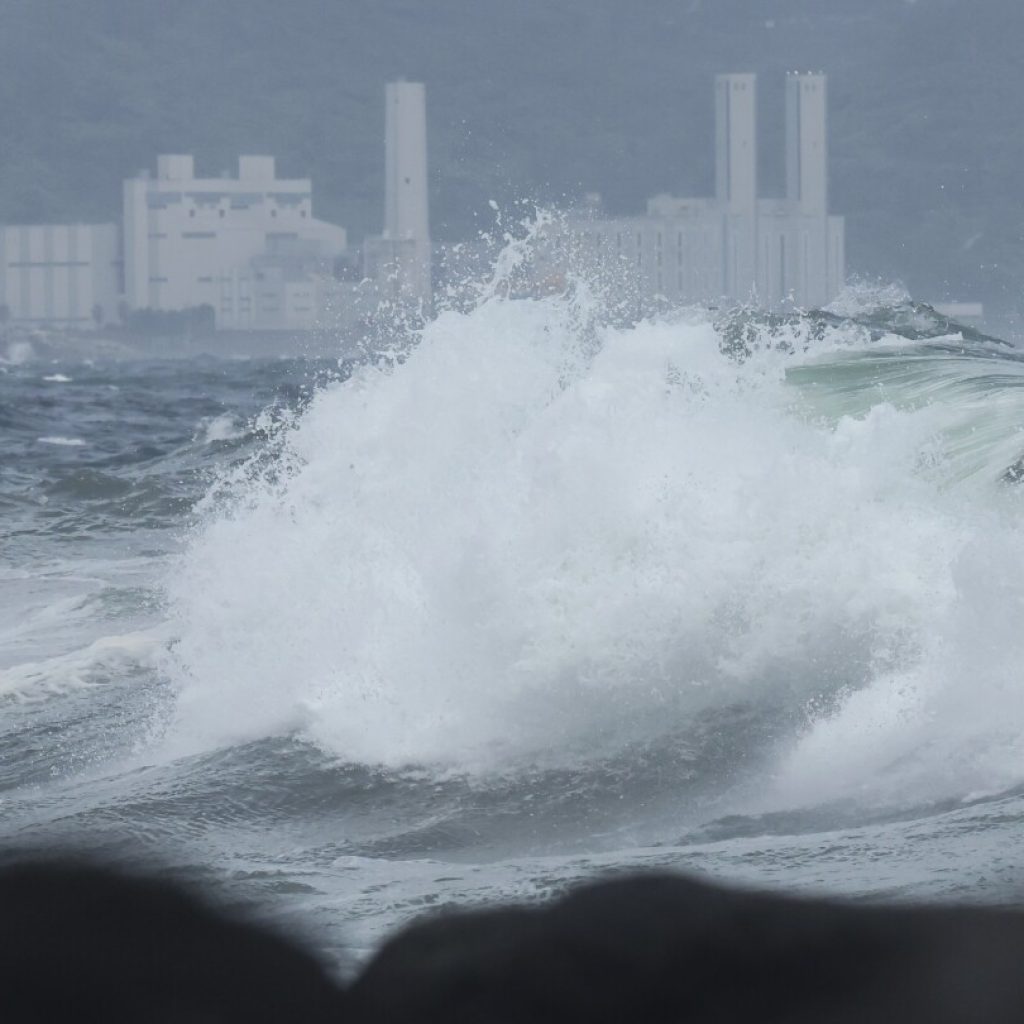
(535, 98)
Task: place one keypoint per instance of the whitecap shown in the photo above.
(97, 662)
(220, 428)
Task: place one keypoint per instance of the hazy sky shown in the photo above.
(536, 98)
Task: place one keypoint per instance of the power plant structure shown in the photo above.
(400, 258)
(733, 247)
(247, 248)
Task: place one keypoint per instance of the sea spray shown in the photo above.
(540, 540)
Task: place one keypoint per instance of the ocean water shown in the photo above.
(533, 598)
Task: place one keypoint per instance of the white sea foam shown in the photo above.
(96, 662)
(534, 538)
(860, 297)
(58, 378)
(951, 722)
(220, 428)
(18, 353)
(64, 442)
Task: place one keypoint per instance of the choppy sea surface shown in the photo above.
(533, 599)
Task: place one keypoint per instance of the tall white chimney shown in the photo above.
(736, 180)
(405, 213)
(806, 142)
(406, 239)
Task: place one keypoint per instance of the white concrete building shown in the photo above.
(249, 246)
(734, 247)
(60, 275)
(399, 260)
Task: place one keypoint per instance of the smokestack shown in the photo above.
(406, 217)
(736, 141)
(806, 142)
(736, 180)
(405, 214)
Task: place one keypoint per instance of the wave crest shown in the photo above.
(540, 539)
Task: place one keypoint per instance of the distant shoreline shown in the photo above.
(21, 346)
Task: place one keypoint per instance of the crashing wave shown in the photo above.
(543, 539)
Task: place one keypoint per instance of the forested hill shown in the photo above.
(535, 98)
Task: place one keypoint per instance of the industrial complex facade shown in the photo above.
(65, 275)
(247, 247)
(250, 249)
(735, 246)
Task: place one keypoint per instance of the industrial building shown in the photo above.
(247, 247)
(733, 247)
(61, 275)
